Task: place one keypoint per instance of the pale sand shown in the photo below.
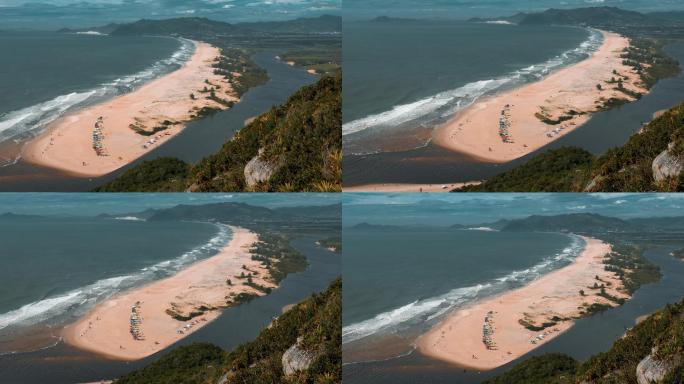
(458, 339)
(105, 329)
(67, 144)
(399, 187)
(475, 130)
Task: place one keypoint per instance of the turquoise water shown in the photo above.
(401, 77)
(49, 74)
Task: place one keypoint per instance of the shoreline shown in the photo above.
(140, 322)
(408, 187)
(508, 125)
(104, 137)
(497, 330)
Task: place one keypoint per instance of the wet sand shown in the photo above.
(407, 187)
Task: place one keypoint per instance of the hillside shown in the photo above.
(651, 352)
(305, 341)
(294, 147)
(651, 160)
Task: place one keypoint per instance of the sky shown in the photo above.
(55, 14)
(465, 9)
(93, 204)
(478, 208)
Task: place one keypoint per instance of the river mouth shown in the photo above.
(199, 139)
(432, 164)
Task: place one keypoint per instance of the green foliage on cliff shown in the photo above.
(627, 168)
(663, 330)
(301, 138)
(317, 321)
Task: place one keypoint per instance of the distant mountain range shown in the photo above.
(576, 222)
(595, 16)
(202, 25)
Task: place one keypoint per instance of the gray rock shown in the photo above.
(296, 359)
(666, 165)
(258, 170)
(652, 371)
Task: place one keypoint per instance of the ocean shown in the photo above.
(402, 78)
(49, 74)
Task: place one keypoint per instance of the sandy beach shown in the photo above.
(68, 144)
(138, 323)
(552, 298)
(564, 100)
(405, 187)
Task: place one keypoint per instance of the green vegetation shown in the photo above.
(165, 174)
(628, 168)
(564, 169)
(547, 369)
(316, 322)
(302, 137)
(278, 256)
(662, 332)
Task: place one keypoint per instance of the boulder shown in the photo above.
(258, 170)
(652, 371)
(665, 165)
(296, 359)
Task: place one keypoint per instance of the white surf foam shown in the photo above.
(129, 218)
(420, 311)
(30, 121)
(485, 229)
(445, 104)
(77, 301)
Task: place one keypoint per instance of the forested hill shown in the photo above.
(293, 147)
(304, 345)
(592, 16)
(651, 160)
(198, 26)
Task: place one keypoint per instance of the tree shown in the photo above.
(229, 282)
(249, 279)
(598, 86)
(620, 86)
(581, 292)
(192, 96)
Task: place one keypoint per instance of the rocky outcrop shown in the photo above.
(296, 359)
(652, 371)
(665, 165)
(258, 170)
